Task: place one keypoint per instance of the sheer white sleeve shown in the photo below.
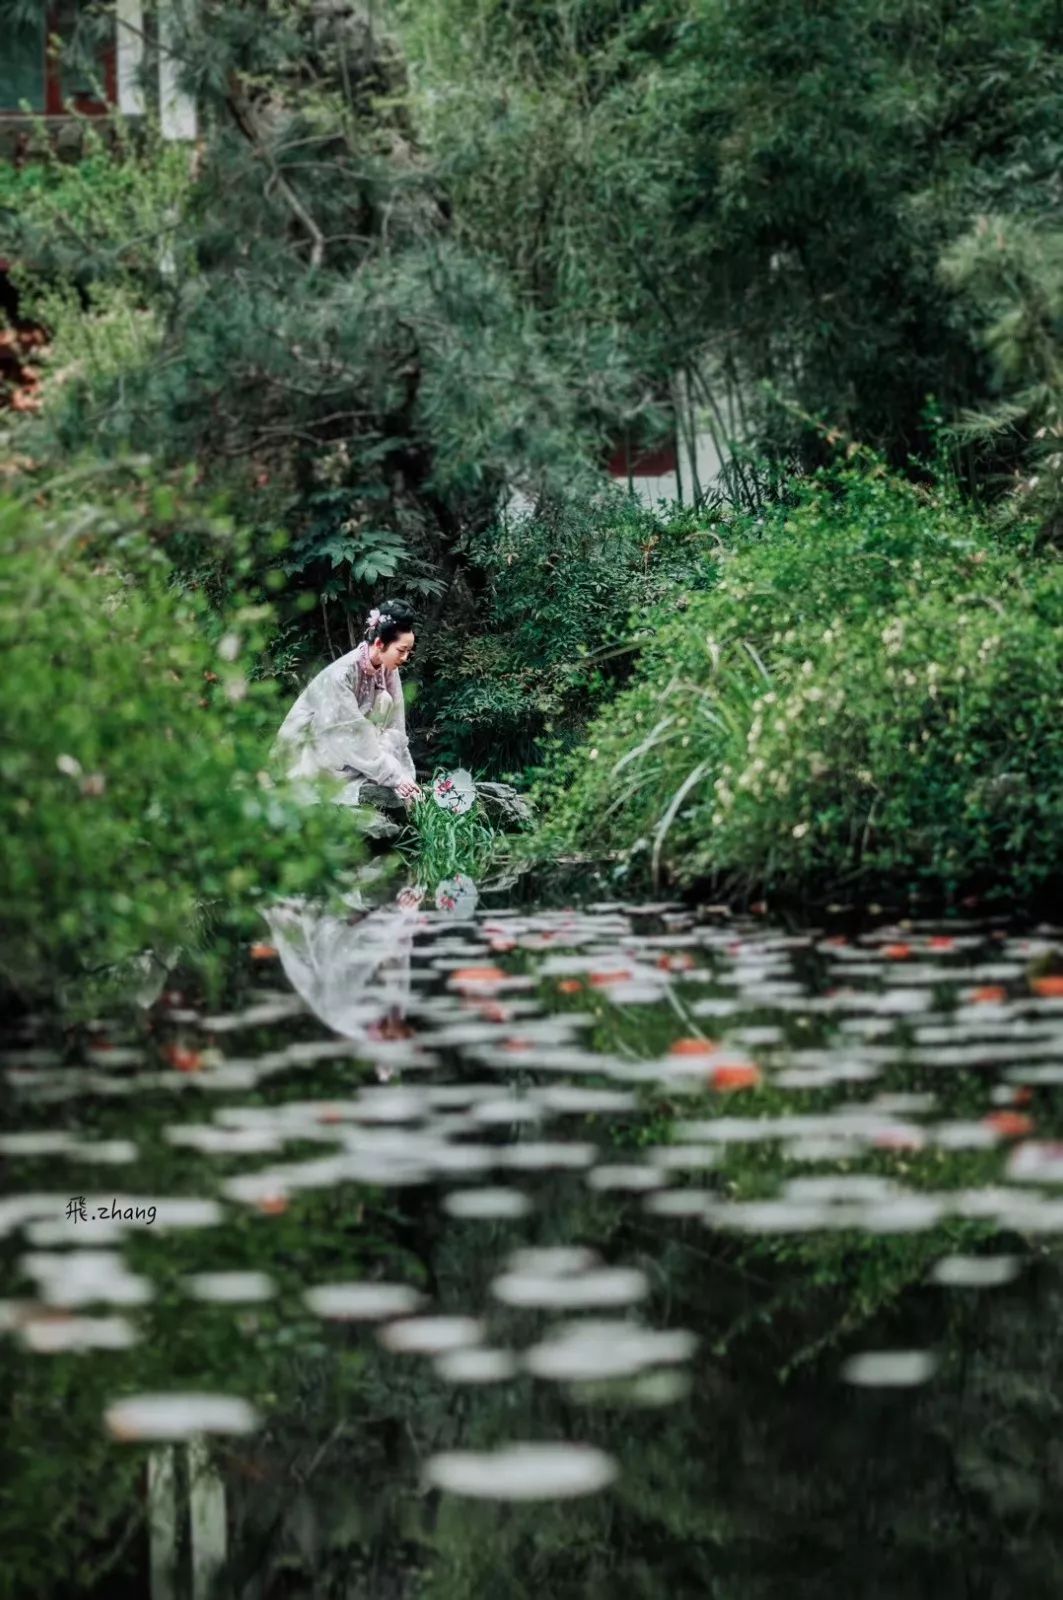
(395, 735)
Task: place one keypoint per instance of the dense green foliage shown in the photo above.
(560, 613)
(410, 266)
(137, 805)
(405, 271)
(415, 264)
(754, 192)
(1013, 271)
(286, 307)
(871, 688)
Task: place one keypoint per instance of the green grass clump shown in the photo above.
(871, 691)
(447, 843)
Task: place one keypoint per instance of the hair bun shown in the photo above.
(388, 620)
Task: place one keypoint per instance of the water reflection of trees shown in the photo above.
(757, 1484)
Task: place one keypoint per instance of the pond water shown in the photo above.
(489, 1248)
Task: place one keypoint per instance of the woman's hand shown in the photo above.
(408, 791)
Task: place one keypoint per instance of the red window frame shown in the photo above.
(643, 463)
(52, 104)
(86, 105)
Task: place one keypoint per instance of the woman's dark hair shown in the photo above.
(387, 620)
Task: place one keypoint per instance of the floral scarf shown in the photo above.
(370, 681)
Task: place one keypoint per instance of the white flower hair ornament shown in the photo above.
(375, 621)
(455, 791)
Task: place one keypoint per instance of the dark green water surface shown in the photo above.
(491, 1250)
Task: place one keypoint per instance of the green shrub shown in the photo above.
(135, 800)
(871, 690)
(561, 618)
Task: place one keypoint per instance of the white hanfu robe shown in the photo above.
(349, 722)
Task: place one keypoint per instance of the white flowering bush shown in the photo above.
(870, 692)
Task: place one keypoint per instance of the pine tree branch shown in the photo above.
(244, 118)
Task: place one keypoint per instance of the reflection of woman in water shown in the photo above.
(350, 722)
(353, 971)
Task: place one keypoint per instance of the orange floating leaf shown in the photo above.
(693, 1047)
(735, 1075)
(600, 980)
(679, 961)
(477, 975)
(570, 986)
(897, 952)
(1009, 1124)
(989, 994)
(263, 952)
(273, 1205)
(1050, 988)
(181, 1057)
(941, 941)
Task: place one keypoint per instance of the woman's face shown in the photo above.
(397, 653)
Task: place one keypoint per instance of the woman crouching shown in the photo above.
(349, 722)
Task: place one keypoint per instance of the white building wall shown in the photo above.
(129, 25)
(177, 110)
